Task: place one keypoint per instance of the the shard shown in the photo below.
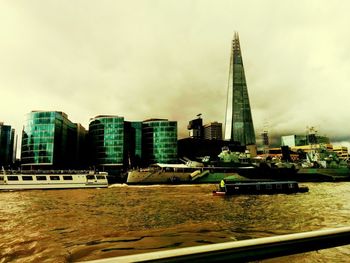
(238, 120)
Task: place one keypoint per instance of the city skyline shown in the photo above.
(170, 60)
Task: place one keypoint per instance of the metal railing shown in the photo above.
(245, 250)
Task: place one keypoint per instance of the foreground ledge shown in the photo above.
(245, 250)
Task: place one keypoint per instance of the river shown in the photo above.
(86, 224)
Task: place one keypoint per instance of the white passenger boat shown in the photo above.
(49, 180)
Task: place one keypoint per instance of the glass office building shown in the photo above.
(160, 141)
(49, 141)
(133, 143)
(6, 145)
(238, 120)
(106, 136)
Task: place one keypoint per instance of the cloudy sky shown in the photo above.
(170, 59)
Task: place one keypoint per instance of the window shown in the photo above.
(100, 177)
(67, 177)
(27, 178)
(54, 177)
(90, 177)
(268, 186)
(41, 178)
(12, 178)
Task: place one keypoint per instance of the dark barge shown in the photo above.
(264, 187)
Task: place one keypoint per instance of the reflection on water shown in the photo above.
(85, 224)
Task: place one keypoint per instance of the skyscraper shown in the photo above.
(238, 120)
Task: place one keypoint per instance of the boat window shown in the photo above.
(67, 177)
(290, 185)
(258, 187)
(54, 177)
(41, 178)
(278, 186)
(12, 178)
(269, 186)
(90, 177)
(27, 178)
(100, 177)
(1, 178)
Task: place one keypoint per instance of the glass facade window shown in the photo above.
(49, 139)
(106, 135)
(238, 120)
(160, 141)
(6, 145)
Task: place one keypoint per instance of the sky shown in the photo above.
(170, 59)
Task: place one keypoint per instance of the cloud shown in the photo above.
(170, 59)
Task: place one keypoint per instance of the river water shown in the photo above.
(86, 224)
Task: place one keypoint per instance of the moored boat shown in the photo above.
(182, 174)
(52, 180)
(263, 187)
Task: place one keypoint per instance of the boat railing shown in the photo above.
(245, 250)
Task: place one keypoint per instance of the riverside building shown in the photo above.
(51, 141)
(238, 119)
(106, 142)
(159, 141)
(213, 131)
(7, 135)
(115, 144)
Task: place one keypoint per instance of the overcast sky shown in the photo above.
(170, 59)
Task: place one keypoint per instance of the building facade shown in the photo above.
(213, 131)
(303, 140)
(106, 142)
(7, 135)
(51, 141)
(238, 119)
(195, 128)
(159, 141)
(133, 143)
(341, 151)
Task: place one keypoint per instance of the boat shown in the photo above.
(182, 174)
(323, 165)
(231, 165)
(262, 187)
(52, 180)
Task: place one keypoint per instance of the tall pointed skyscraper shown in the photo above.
(238, 120)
